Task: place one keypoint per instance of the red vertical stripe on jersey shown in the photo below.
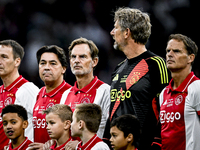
(139, 71)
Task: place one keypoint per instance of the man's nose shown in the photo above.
(47, 66)
(112, 32)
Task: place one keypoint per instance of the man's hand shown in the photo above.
(71, 145)
(36, 146)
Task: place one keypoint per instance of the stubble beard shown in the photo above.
(82, 72)
(116, 46)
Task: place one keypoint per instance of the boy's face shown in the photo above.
(118, 141)
(75, 126)
(13, 125)
(55, 126)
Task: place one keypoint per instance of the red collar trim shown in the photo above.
(62, 147)
(12, 85)
(53, 92)
(87, 88)
(20, 146)
(184, 85)
(88, 143)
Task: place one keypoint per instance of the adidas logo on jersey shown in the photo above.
(116, 77)
(36, 108)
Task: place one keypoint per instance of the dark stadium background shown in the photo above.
(34, 23)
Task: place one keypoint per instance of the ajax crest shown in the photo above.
(178, 99)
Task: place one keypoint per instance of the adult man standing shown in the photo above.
(52, 66)
(88, 88)
(180, 100)
(138, 80)
(15, 89)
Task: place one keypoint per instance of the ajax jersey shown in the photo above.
(44, 101)
(179, 115)
(21, 92)
(96, 92)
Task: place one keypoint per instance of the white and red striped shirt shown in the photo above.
(21, 92)
(61, 147)
(22, 146)
(96, 92)
(179, 115)
(95, 143)
(44, 101)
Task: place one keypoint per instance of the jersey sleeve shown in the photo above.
(103, 99)
(26, 97)
(64, 96)
(194, 95)
(161, 97)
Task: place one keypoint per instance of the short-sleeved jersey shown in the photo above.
(19, 92)
(135, 83)
(95, 143)
(96, 92)
(44, 101)
(179, 115)
(62, 147)
(23, 146)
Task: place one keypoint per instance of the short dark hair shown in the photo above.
(18, 50)
(53, 49)
(129, 124)
(90, 113)
(14, 108)
(190, 45)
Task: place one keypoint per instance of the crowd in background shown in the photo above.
(44, 22)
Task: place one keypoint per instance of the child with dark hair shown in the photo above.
(125, 132)
(15, 121)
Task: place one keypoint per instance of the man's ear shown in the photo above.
(67, 124)
(17, 62)
(191, 58)
(63, 70)
(95, 62)
(127, 33)
(25, 124)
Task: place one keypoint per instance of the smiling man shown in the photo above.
(180, 100)
(15, 88)
(52, 66)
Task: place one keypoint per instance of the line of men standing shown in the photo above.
(135, 88)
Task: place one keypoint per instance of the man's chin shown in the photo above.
(77, 73)
(116, 47)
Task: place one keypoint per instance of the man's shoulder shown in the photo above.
(154, 58)
(101, 83)
(194, 86)
(29, 86)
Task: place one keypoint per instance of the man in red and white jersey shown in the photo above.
(88, 88)
(52, 66)
(180, 100)
(15, 89)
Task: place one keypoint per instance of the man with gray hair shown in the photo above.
(138, 80)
